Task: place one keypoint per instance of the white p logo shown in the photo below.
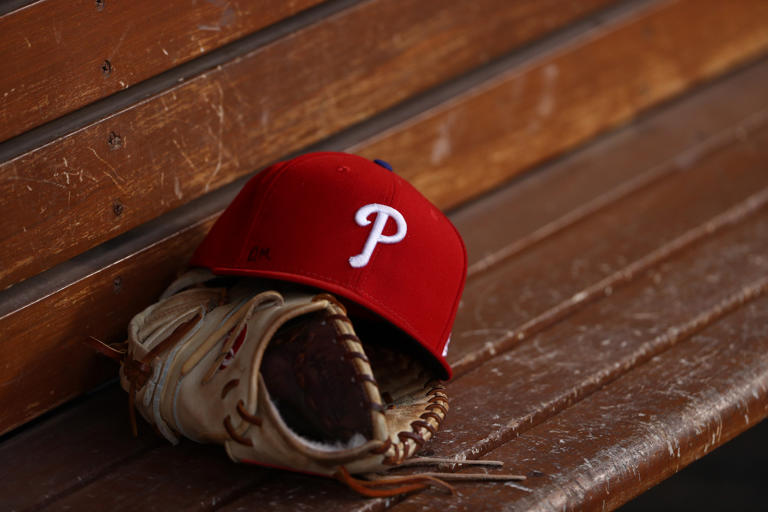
(377, 235)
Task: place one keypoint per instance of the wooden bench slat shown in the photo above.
(52, 52)
(69, 449)
(80, 190)
(169, 478)
(542, 375)
(143, 273)
(640, 429)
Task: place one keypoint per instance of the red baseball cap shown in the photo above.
(352, 227)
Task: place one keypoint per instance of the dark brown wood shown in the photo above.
(559, 100)
(45, 359)
(638, 430)
(59, 55)
(55, 324)
(189, 477)
(69, 450)
(209, 130)
(572, 358)
(610, 248)
(543, 375)
(682, 342)
(608, 168)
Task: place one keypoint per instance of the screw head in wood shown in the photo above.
(114, 141)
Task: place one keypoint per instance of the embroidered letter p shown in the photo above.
(377, 235)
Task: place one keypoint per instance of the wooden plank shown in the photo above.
(732, 466)
(69, 449)
(190, 477)
(109, 46)
(538, 382)
(118, 172)
(640, 429)
(54, 325)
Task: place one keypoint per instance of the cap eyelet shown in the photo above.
(383, 164)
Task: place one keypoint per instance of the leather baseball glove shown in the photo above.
(276, 373)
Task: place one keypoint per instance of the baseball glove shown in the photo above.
(276, 373)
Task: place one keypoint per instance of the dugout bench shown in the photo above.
(605, 162)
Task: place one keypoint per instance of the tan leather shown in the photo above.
(186, 384)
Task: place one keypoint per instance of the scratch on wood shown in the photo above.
(68, 175)
(547, 101)
(219, 109)
(120, 41)
(177, 188)
(114, 177)
(441, 148)
(57, 33)
(34, 180)
(186, 157)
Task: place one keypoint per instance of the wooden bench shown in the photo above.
(605, 162)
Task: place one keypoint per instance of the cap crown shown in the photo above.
(345, 224)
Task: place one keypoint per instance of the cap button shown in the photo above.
(383, 164)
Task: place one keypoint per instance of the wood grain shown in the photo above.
(600, 173)
(610, 352)
(542, 376)
(551, 104)
(84, 188)
(473, 405)
(97, 435)
(610, 248)
(53, 53)
(45, 361)
(640, 429)
(570, 359)
(55, 324)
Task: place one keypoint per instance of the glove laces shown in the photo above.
(378, 486)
